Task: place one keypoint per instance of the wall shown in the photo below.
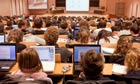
(19, 7)
(5, 7)
(13, 7)
(133, 8)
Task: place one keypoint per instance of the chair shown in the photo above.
(58, 58)
(28, 44)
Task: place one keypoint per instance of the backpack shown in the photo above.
(21, 80)
(91, 82)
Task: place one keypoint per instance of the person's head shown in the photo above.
(103, 34)
(83, 23)
(51, 36)
(101, 24)
(9, 23)
(29, 61)
(15, 36)
(123, 45)
(92, 63)
(83, 35)
(64, 25)
(21, 25)
(115, 30)
(38, 23)
(48, 23)
(134, 29)
(1, 28)
(132, 59)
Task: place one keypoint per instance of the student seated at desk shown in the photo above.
(16, 36)
(92, 64)
(123, 45)
(30, 66)
(51, 36)
(132, 61)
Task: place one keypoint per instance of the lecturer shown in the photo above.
(53, 7)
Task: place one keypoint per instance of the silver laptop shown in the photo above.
(47, 57)
(7, 56)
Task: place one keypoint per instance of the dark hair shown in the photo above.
(115, 28)
(103, 34)
(38, 23)
(101, 24)
(48, 23)
(92, 63)
(64, 25)
(1, 28)
(9, 23)
(21, 23)
(135, 29)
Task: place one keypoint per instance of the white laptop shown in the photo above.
(2, 38)
(47, 57)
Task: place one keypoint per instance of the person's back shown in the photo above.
(30, 66)
(92, 64)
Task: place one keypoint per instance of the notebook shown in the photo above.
(7, 56)
(78, 51)
(47, 57)
(2, 38)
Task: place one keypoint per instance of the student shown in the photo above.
(134, 30)
(38, 23)
(132, 61)
(51, 36)
(123, 45)
(16, 36)
(30, 66)
(22, 26)
(9, 25)
(83, 35)
(92, 64)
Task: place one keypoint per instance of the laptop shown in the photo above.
(78, 50)
(15, 26)
(47, 57)
(74, 33)
(2, 38)
(7, 56)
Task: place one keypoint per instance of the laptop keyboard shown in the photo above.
(6, 63)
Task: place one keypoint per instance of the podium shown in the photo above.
(57, 11)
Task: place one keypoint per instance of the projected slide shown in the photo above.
(77, 5)
(37, 4)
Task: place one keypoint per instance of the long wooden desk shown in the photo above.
(59, 66)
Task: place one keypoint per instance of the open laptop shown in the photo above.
(47, 57)
(7, 56)
(2, 38)
(77, 51)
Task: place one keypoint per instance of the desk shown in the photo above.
(99, 11)
(58, 69)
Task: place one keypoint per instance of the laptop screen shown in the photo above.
(2, 38)
(74, 33)
(46, 53)
(15, 26)
(7, 52)
(78, 51)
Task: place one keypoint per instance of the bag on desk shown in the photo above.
(8, 79)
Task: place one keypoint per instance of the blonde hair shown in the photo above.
(123, 45)
(29, 61)
(132, 59)
(15, 35)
